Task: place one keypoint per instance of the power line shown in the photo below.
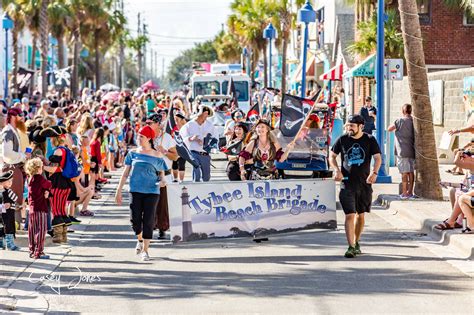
(174, 37)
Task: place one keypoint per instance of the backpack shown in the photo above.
(69, 164)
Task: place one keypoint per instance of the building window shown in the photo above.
(424, 11)
(469, 18)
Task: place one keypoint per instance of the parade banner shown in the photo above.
(237, 209)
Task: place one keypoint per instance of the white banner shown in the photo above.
(236, 209)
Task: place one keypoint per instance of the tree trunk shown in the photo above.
(33, 63)
(61, 51)
(14, 63)
(44, 31)
(140, 57)
(97, 62)
(283, 63)
(265, 66)
(428, 177)
(75, 64)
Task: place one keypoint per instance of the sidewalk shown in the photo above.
(14, 264)
(422, 215)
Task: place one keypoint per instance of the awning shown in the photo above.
(334, 74)
(366, 68)
(310, 69)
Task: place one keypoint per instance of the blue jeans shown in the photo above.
(204, 169)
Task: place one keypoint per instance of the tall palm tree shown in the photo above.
(284, 20)
(31, 9)
(427, 165)
(44, 40)
(137, 44)
(78, 15)
(247, 22)
(227, 47)
(101, 29)
(58, 13)
(16, 13)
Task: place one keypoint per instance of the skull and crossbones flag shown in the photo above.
(24, 80)
(61, 78)
(294, 111)
(253, 114)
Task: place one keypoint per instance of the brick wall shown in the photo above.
(454, 115)
(446, 40)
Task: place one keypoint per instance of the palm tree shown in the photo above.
(137, 44)
(247, 22)
(16, 13)
(284, 21)
(78, 14)
(227, 47)
(44, 40)
(58, 13)
(367, 40)
(32, 11)
(101, 29)
(427, 165)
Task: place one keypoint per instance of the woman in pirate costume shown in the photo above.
(61, 186)
(232, 149)
(262, 150)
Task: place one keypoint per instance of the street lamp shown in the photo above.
(306, 15)
(7, 24)
(382, 177)
(269, 33)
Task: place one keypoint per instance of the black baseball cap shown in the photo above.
(356, 119)
(156, 118)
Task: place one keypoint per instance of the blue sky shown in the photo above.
(176, 25)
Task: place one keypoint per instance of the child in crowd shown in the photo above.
(8, 213)
(38, 194)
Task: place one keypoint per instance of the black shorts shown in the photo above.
(356, 199)
(179, 164)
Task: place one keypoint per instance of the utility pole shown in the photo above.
(151, 64)
(139, 31)
(121, 76)
(145, 32)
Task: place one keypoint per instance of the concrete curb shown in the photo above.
(423, 215)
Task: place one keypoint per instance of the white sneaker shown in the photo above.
(145, 256)
(139, 248)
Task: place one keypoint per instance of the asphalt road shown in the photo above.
(298, 273)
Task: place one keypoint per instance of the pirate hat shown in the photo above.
(6, 176)
(34, 135)
(54, 131)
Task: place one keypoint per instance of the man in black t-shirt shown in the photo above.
(357, 149)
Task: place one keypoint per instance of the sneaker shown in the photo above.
(357, 249)
(412, 197)
(350, 253)
(74, 220)
(42, 256)
(145, 256)
(139, 248)
(404, 197)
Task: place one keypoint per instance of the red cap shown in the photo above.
(147, 131)
(14, 111)
(314, 117)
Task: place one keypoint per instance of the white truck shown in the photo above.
(211, 86)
